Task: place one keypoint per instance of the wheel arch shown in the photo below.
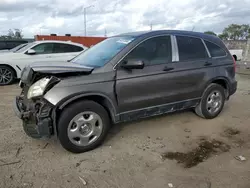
(99, 98)
(12, 68)
(220, 81)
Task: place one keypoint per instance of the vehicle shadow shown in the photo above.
(118, 128)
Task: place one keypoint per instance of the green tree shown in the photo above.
(18, 33)
(10, 34)
(13, 34)
(236, 32)
(223, 36)
(210, 33)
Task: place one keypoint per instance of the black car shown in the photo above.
(8, 44)
(123, 78)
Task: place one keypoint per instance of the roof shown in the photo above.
(58, 41)
(158, 32)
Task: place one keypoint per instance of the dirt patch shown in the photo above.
(230, 132)
(204, 150)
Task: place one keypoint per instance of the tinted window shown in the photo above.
(215, 51)
(153, 51)
(45, 48)
(76, 48)
(66, 48)
(190, 48)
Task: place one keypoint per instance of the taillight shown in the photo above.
(234, 64)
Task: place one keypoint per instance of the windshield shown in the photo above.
(23, 49)
(103, 52)
(18, 47)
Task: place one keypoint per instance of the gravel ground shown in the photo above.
(134, 154)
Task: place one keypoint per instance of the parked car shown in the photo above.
(11, 64)
(7, 44)
(14, 49)
(123, 78)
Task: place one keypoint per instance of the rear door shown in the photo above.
(193, 67)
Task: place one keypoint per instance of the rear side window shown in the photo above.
(215, 50)
(190, 48)
(66, 48)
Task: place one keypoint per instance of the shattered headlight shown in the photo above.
(38, 88)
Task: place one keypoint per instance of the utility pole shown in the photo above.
(85, 21)
(105, 33)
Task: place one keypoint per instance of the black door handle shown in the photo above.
(207, 64)
(168, 68)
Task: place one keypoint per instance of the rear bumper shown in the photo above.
(36, 125)
(233, 88)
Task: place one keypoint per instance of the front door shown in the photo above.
(151, 86)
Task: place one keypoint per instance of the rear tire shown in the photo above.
(83, 126)
(212, 102)
(7, 75)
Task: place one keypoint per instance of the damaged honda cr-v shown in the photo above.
(123, 78)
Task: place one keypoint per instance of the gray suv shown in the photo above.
(123, 78)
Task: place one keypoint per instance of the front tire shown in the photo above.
(212, 102)
(7, 75)
(83, 126)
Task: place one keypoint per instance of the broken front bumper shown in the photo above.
(36, 117)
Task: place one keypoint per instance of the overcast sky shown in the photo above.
(118, 16)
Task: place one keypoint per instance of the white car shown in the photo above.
(11, 64)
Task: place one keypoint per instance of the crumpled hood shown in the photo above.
(57, 67)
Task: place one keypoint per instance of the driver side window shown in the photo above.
(45, 48)
(153, 51)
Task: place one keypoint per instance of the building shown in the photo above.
(86, 41)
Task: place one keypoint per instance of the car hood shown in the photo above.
(58, 67)
(7, 54)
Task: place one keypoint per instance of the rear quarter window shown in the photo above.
(215, 50)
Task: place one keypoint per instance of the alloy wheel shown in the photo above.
(5, 76)
(85, 128)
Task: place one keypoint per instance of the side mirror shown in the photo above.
(133, 64)
(31, 52)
